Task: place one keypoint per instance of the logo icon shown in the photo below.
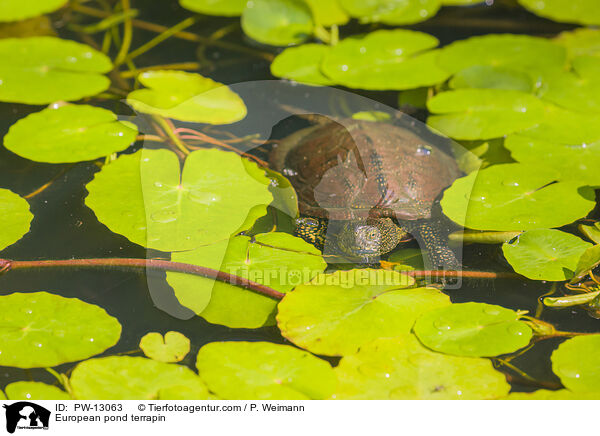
(26, 415)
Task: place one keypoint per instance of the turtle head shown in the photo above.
(369, 238)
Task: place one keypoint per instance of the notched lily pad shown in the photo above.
(29, 390)
(302, 64)
(44, 330)
(575, 362)
(264, 371)
(15, 218)
(70, 133)
(173, 347)
(337, 313)
(277, 22)
(393, 12)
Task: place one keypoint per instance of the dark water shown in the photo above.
(65, 228)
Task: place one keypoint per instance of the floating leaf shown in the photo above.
(575, 362)
(566, 11)
(14, 219)
(393, 12)
(226, 8)
(561, 394)
(277, 22)
(589, 260)
(43, 69)
(148, 199)
(264, 371)
(327, 12)
(42, 330)
(545, 254)
(479, 237)
(278, 260)
(173, 347)
(402, 369)
(516, 197)
(16, 10)
(473, 329)
(384, 59)
(461, 2)
(591, 232)
(491, 77)
(371, 116)
(302, 64)
(580, 41)
(37, 26)
(483, 113)
(70, 133)
(408, 258)
(577, 90)
(337, 313)
(186, 97)
(29, 390)
(133, 378)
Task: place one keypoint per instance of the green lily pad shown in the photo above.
(337, 313)
(146, 198)
(327, 13)
(302, 64)
(15, 218)
(371, 116)
(278, 260)
(186, 97)
(581, 41)
(561, 394)
(393, 12)
(566, 11)
(516, 197)
(401, 368)
(473, 329)
(385, 59)
(461, 2)
(43, 330)
(277, 22)
(545, 254)
(589, 260)
(264, 371)
(225, 8)
(577, 90)
(133, 378)
(483, 113)
(15, 10)
(492, 77)
(43, 69)
(575, 362)
(70, 133)
(591, 232)
(475, 155)
(173, 347)
(29, 390)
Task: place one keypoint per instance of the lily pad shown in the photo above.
(278, 260)
(43, 330)
(491, 77)
(70, 133)
(264, 371)
(16, 10)
(483, 113)
(133, 378)
(337, 313)
(148, 199)
(545, 254)
(327, 13)
(302, 64)
(173, 347)
(513, 197)
(561, 394)
(581, 41)
(589, 260)
(565, 11)
(15, 218)
(577, 90)
(225, 8)
(385, 59)
(402, 369)
(461, 2)
(277, 22)
(44, 69)
(393, 12)
(186, 97)
(591, 232)
(29, 390)
(473, 329)
(575, 362)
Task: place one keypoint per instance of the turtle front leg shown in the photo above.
(312, 230)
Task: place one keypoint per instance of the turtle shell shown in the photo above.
(357, 169)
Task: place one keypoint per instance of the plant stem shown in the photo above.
(127, 34)
(171, 134)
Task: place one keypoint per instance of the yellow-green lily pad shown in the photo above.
(575, 362)
(401, 368)
(492, 77)
(580, 41)
(16, 10)
(544, 394)
(545, 254)
(516, 197)
(302, 64)
(473, 329)
(134, 378)
(173, 347)
(186, 97)
(264, 371)
(327, 13)
(42, 330)
(384, 59)
(147, 198)
(225, 8)
(565, 11)
(29, 390)
(15, 218)
(337, 313)
(589, 260)
(277, 22)
(393, 12)
(278, 260)
(44, 69)
(70, 133)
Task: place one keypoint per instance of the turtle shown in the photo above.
(363, 185)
